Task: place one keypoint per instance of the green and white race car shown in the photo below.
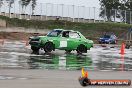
(67, 40)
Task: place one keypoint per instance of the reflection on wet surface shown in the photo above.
(6, 77)
(52, 61)
(16, 55)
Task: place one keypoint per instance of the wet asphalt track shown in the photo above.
(14, 54)
(20, 68)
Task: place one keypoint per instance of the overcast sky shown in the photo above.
(88, 3)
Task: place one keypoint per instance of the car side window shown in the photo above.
(65, 34)
(74, 35)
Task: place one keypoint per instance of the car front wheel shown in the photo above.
(48, 47)
(81, 49)
(68, 51)
(34, 49)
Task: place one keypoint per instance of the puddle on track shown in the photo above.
(16, 55)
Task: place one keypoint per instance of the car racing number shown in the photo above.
(63, 43)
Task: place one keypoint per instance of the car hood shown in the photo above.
(36, 37)
(104, 38)
(90, 41)
(42, 36)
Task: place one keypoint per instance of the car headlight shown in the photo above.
(90, 42)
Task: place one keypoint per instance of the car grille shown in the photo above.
(34, 41)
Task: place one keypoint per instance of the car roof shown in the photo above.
(66, 30)
(58, 29)
(109, 35)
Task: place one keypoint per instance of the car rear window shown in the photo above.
(74, 35)
(106, 36)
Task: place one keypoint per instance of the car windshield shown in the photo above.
(54, 33)
(106, 36)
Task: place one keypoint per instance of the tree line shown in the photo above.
(112, 9)
(24, 4)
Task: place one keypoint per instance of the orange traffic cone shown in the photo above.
(122, 60)
(122, 50)
(84, 74)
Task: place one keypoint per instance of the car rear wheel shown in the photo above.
(34, 49)
(48, 47)
(81, 49)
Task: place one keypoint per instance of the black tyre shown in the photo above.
(107, 42)
(48, 47)
(34, 49)
(81, 49)
(127, 46)
(100, 42)
(85, 82)
(114, 42)
(68, 51)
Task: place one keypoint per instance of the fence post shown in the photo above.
(62, 10)
(89, 14)
(4, 9)
(73, 13)
(78, 13)
(83, 13)
(98, 15)
(94, 13)
(10, 9)
(30, 7)
(68, 13)
(25, 13)
(40, 11)
(14, 10)
(46, 11)
(20, 10)
(52, 7)
(57, 10)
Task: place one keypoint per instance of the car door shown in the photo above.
(74, 40)
(54, 37)
(63, 40)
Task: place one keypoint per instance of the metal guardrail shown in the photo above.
(19, 29)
